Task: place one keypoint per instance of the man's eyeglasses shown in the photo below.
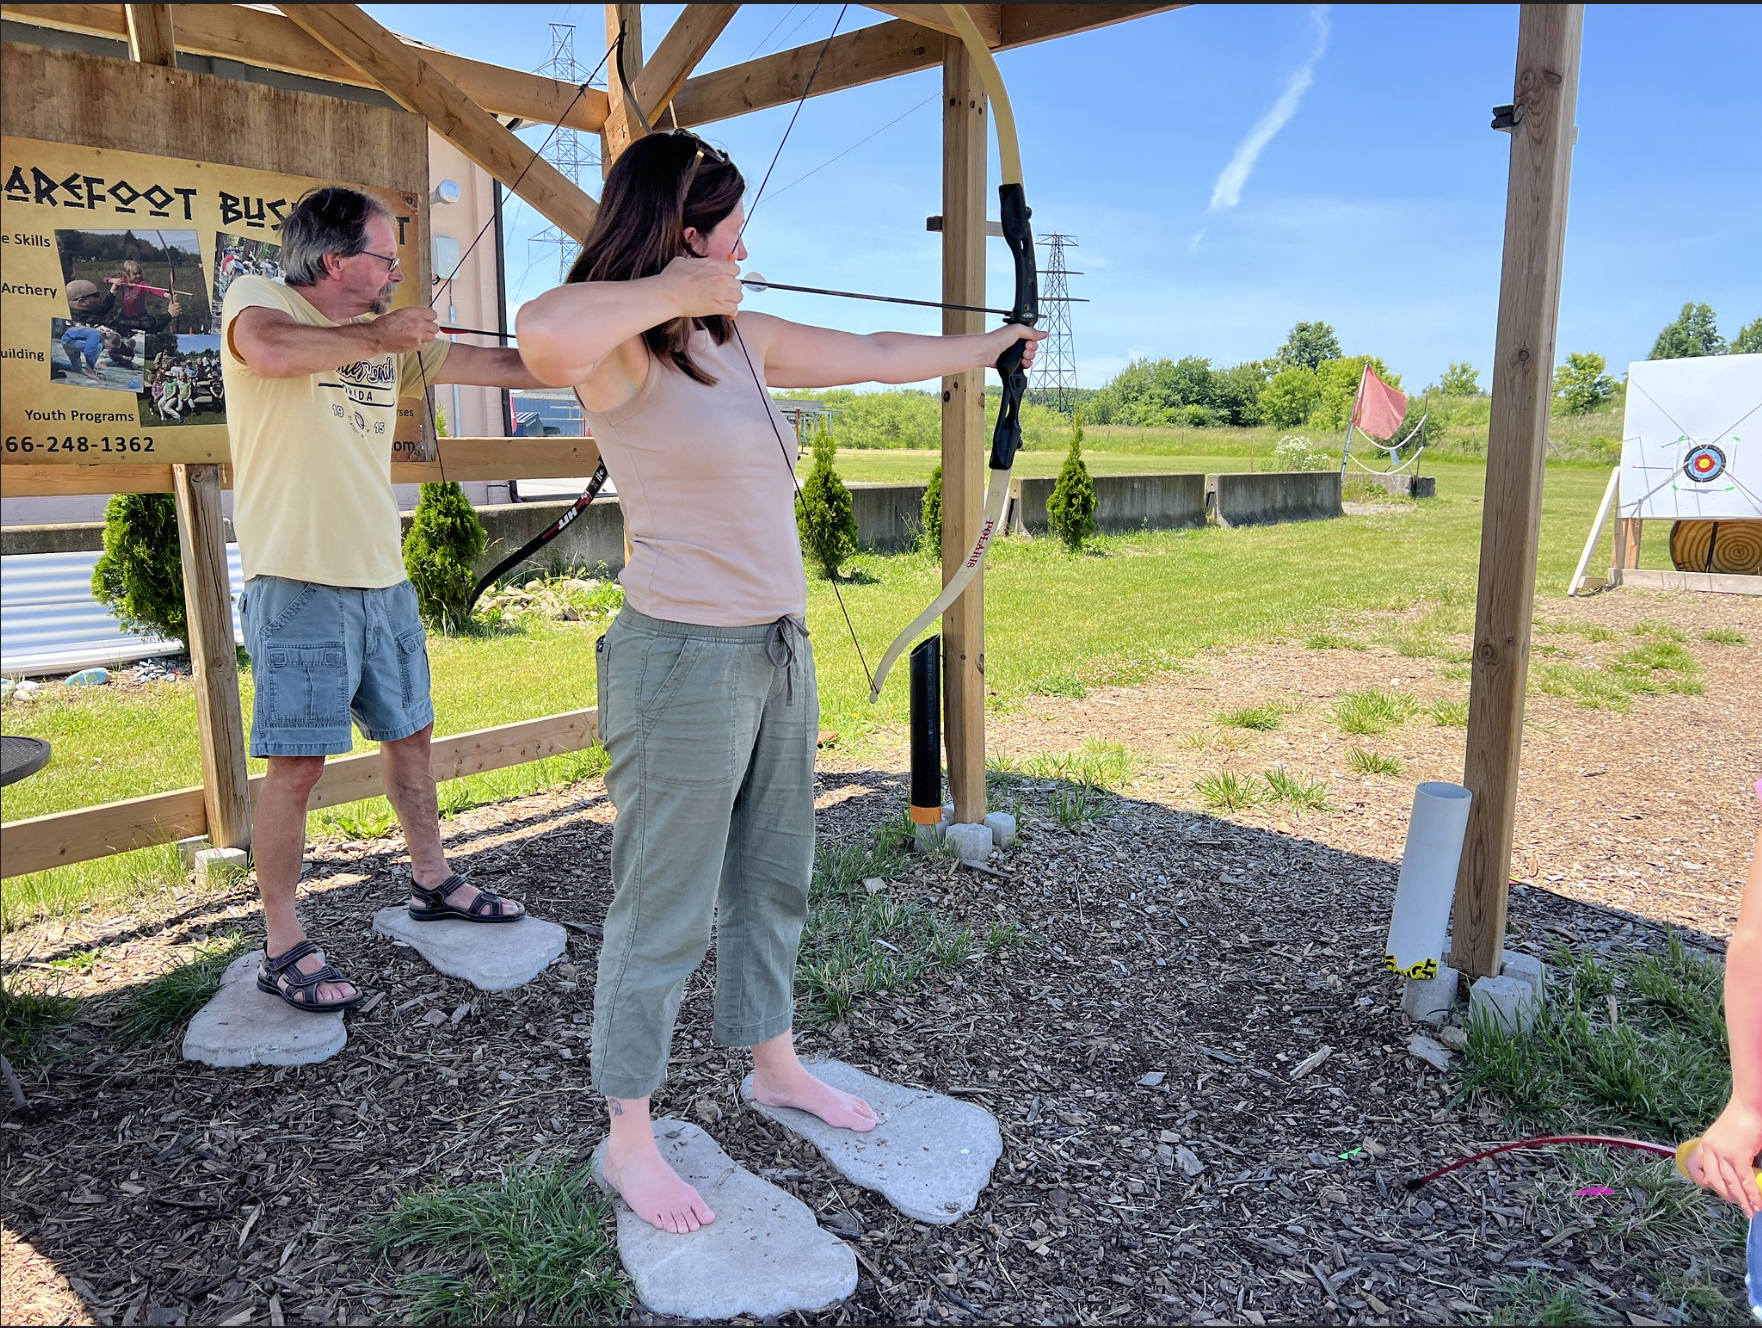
(392, 263)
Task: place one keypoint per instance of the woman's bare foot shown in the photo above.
(781, 1080)
(654, 1190)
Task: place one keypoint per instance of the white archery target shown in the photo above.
(1692, 443)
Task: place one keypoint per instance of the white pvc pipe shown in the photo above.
(1428, 880)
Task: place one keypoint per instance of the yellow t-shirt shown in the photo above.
(312, 457)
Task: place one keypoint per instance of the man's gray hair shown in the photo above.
(330, 220)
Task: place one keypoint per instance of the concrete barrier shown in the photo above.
(1122, 503)
(889, 516)
(71, 537)
(594, 537)
(1263, 497)
(1402, 486)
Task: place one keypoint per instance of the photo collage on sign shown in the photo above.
(139, 320)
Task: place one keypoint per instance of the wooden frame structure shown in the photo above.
(461, 98)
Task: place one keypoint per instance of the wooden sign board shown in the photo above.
(122, 223)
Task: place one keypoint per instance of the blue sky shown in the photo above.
(1375, 198)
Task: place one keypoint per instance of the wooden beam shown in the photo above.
(1548, 42)
(418, 86)
(214, 661)
(621, 126)
(60, 839)
(870, 54)
(150, 40)
(466, 459)
(269, 40)
(987, 18)
(1721, 583)
(686, 42)
(966, 146)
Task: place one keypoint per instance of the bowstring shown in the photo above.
(745, 354)
(537, 156)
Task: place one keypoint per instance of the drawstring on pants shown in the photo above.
(780, 650)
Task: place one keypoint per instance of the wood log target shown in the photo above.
(1717, 546)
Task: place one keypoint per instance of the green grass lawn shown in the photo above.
(1127, 607)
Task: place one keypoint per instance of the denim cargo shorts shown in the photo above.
(321, 653)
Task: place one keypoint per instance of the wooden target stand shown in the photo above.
(1721, 557)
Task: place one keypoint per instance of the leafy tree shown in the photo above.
(1580, 385)
(1460, 380)
(823, 510)
(1287, 400)
(140, 575)
(1235, 392)
(1748, 341)
(1070, 511)
(1308, 345)
(1695, 331)
(932, 511)
(440, 555)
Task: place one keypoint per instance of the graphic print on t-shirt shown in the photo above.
(365, 394)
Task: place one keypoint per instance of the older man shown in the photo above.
(314, 368)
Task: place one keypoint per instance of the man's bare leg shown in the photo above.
(409, 787)
(278, 843)
(781, 1080)
(635, 1168)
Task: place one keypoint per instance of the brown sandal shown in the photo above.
(301, 989)
(487, 907)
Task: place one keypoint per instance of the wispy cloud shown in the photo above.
(1228, 190)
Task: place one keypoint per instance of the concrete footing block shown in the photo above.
(1003, 829)
(188, 848)
(1510, 1003)
(927, 837)
(215, 866)
(1526, 968)
(971, 842)
(1430, 1000)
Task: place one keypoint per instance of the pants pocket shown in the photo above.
(666, 666)
(413, 676)
(305, 686)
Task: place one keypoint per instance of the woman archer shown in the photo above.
(707, 700)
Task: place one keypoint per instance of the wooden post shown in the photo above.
(1627, 545)
(1529, 304)
(150, 40)
(621, 126)
(965, 143)
(213, 659)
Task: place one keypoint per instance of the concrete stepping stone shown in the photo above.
(491, 956)
(244, 1026)
(929, 1157)
(763, 1256)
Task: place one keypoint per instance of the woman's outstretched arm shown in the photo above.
(799, 355)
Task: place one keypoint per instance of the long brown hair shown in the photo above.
(660, 185)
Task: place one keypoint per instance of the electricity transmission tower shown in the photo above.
(569, 149)
(1055, 366)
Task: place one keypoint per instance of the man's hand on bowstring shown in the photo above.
(406, 329)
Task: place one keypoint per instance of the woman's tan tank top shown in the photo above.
(708, 495)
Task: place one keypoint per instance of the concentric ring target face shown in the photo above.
(1704, 463)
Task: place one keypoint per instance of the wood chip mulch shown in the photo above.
(1208, 1107)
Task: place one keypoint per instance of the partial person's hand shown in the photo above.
(703, 287)
(406, 329)
(174, 306)
(1010, 333)
(1725, 1161)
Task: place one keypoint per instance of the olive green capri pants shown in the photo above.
(711, 733)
